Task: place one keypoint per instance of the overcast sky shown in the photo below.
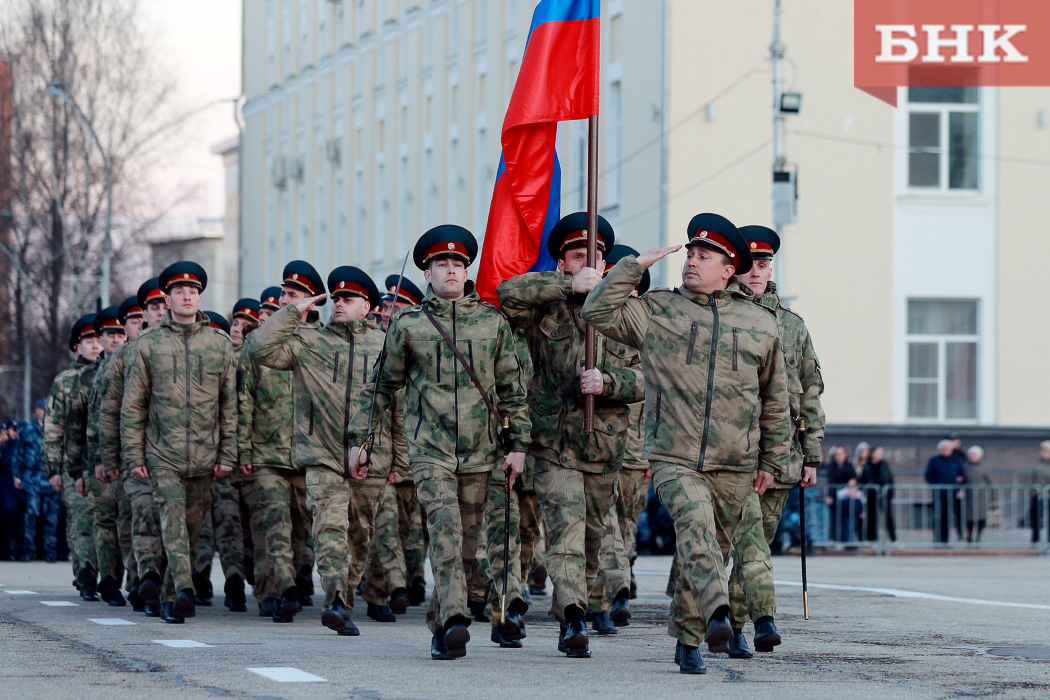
(203, 41)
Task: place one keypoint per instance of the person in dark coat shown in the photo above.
(943, 469)
(877, 474)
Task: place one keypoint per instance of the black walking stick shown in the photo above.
(506, 527)
(802, 526)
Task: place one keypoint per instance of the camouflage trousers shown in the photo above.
(385, 567)
(42, 502)
(277, 520)
(493, 522)
(146, 542)
(183, 504)
(706, 508)
(454, 504)
(634, 494)
(112, 533)
(529, 528)
(576, 514)
(226, 528)
(410, 530)
(613, 575)
(336, 503)
(751, 591)
(80, 526)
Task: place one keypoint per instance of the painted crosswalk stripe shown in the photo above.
(21, 592)
(286, 674)
(181, 643)
(110, 621)
(59, 603)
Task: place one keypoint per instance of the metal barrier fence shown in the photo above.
(903, 517)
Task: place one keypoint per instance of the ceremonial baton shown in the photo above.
(506, 524)
(370, 440)
(802, 526)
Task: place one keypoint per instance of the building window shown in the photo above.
(944, 138)
(942, 360)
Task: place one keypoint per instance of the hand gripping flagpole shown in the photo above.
(370, 440)
(592, 255)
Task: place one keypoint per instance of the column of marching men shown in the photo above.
(405, 423)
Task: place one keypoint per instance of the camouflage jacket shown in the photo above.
(400, 457)
(805, 385)
(544, 306)
(93, 448)
(330, 365)
(109, 407)
(179, 410)
(265, 411)
(54, 443)
(76, 460)
(635, 438)
(716, 390)
(28, 456)
(446, 421)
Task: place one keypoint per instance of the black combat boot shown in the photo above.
(381, 613)
(513, 626)
(184, 603)
(620, 612)
(477, 610)
(602, 624)
(235, 600)
(719, 631)
(149, 589)
(498, 637)
(288, 607)
(110, 592)
(170, 614)
(266, 606)
(417, 592)
(305, 586)
(135, 598)
(399, 601)
(573, 640)
(202, 588)
(337, 618)
(766, 635)
(738, 648)
(688, 659)
(88, 580)
(438, 648)
(457, 636)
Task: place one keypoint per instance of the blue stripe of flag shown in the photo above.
(563, 11)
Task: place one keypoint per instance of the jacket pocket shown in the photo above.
(311, 431)
(364, 371)
(438, 367)
(419, 423)
(335, 372)
(470, 354)
(656, 418)
(692, 345)
(751, 425)
(736, 347)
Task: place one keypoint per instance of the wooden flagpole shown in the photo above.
(592, 254)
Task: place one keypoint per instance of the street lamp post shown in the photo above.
(59, 90)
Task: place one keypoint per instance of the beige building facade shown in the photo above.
(369, 122)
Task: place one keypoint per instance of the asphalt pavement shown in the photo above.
(914, 627)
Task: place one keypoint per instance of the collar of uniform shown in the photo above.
(202, 321)
(770, 299)
(722, 296)
(443, 307)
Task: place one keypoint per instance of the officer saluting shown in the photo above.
(716, 410)
(178, 423)
(805, 386)
(438, 350)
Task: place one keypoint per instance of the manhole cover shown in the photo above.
(1022, 651)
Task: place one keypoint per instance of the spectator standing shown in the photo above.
(841, 478)
(43, 503)
(877, 475)
(977, 494)
(1040, 480)
(943, 469)
(11, 522)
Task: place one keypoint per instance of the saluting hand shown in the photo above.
(587, 278)
(359, 460)
(763, 480)
(514, 465)
(651, 257)
(305, 305)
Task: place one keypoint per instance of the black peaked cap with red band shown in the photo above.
(270, 298)
(571, 232)
(618, 253)
(408, 293)
(351, 281)
(129, 308)
(447, 241)
(763, 242)
(184, 272)
(719, 234)
(149, 292)
(247, 309)
(217, 320)
(108, 319)
(83, 327)
(303, 276)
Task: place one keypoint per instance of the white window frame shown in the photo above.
(941, 341)
(943, 110)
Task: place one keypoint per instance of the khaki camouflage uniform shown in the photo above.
(146, 545)
(76, 467)
(805, 385)
(575, 471)
(330, 365)
(79, 525)
(179, 419)
(634, 482)
(716, 411)
(453, 440)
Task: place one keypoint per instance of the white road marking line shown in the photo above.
(181, 643)
(21, 592)
(59, 603)
(110, 621)
(900, 593)
(286, 674)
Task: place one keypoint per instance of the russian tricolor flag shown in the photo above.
(558, 81)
